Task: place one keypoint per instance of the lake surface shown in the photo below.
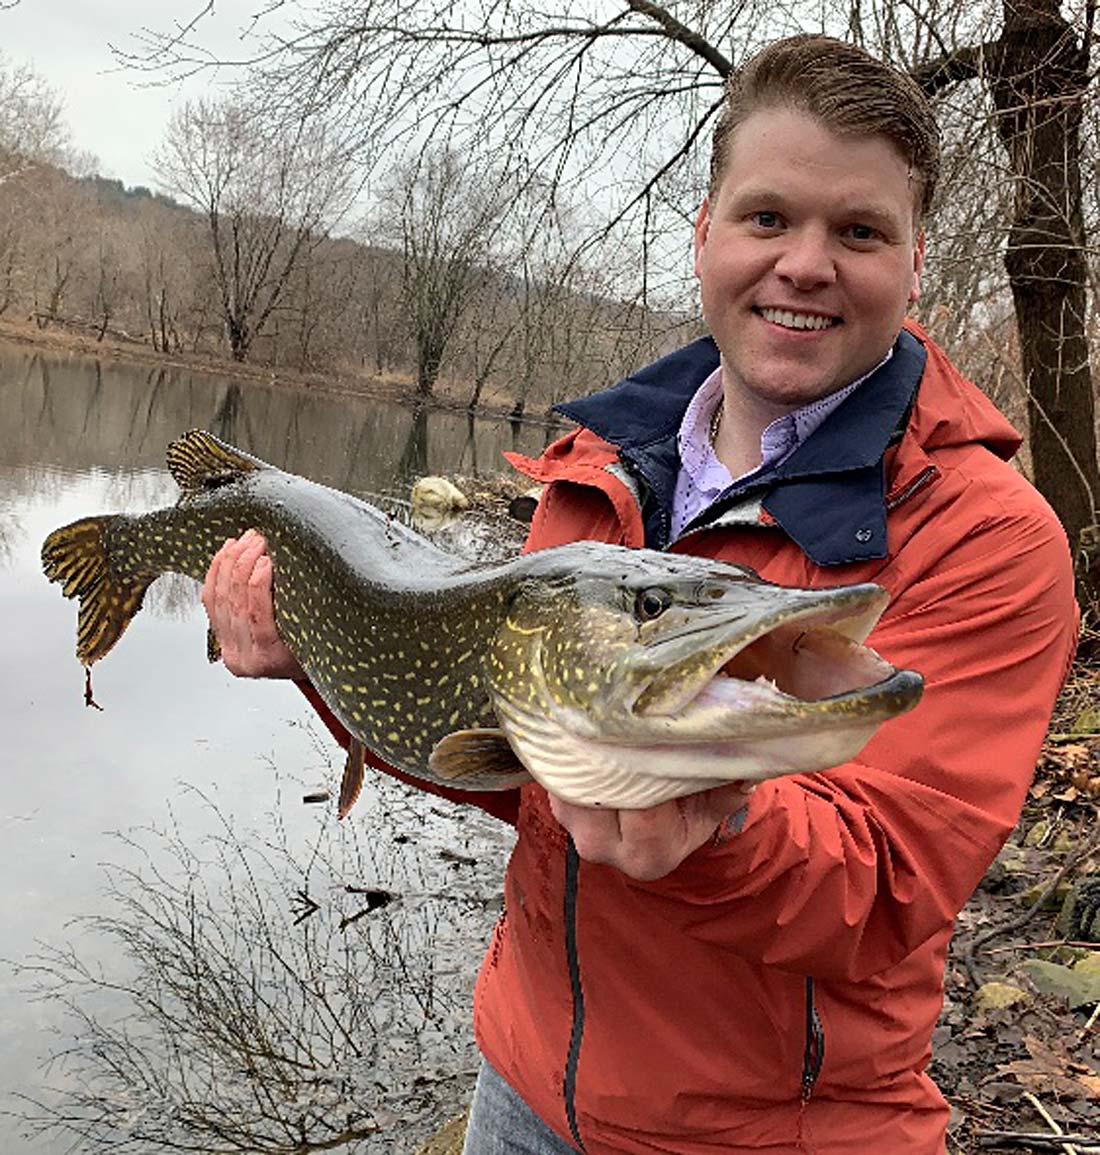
(189, 784)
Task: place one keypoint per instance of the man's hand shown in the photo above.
(237, 597)
(648, 844)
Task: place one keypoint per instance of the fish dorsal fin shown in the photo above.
(477, 760)
(199, 461)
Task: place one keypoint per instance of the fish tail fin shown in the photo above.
(76, 556)
(199, 461)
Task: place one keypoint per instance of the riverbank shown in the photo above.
(80, 339)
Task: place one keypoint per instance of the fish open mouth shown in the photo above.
(809, 663)
(799, 661)
(815, 670)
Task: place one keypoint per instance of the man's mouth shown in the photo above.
(788, 319)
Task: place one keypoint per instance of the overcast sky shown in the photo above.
(113, 113)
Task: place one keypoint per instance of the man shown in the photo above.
(733, 972)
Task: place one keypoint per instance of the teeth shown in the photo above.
(791, 320)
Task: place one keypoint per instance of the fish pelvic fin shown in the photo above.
(354, 773)
(76, 557)
(200, 461)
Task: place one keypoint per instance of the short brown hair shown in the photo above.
(847, 89)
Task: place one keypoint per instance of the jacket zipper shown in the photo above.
(814, 1054)
(569, 1086)
(927, 474)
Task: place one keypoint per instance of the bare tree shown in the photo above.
(446, 213)
(32, 125)
(269, 197)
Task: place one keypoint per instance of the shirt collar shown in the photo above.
(779, 439)
(827, 494)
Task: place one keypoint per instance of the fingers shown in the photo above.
(237, 595)
(644, 844)
(648, 844)
(259, 603)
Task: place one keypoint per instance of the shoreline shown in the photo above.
(77, 339)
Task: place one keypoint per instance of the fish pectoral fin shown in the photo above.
(474, 753)
(352, 782)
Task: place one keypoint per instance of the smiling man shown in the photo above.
(761, 970)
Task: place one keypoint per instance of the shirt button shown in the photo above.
(863, 535)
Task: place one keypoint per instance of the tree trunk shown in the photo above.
(1038, 77)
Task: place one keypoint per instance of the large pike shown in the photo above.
(615, 677)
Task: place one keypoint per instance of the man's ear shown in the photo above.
(918, 265)
(702, 227)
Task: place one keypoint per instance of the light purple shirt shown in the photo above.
(703, 478)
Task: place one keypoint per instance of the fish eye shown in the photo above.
(651, 603)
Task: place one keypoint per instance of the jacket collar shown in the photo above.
(829, 495)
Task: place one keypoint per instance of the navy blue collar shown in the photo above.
(829, 495)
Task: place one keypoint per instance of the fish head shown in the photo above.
(689, 668)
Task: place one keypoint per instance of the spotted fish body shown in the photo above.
(592, 667)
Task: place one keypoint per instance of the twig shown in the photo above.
(1050, 1122)
(1038, 1138)
(1040, 946)
(1091, 1022)
(303, 906)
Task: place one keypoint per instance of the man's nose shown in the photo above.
(807, 259)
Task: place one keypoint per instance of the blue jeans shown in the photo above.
(501, 1123)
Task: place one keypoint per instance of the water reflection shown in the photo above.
(79, 415)
(266, 1006)
(81, 437)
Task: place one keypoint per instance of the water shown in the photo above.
(182, 753)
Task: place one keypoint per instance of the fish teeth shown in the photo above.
(791, 320)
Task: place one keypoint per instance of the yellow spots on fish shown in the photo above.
(393, 736)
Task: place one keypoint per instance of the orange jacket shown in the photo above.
(778, 990)
(676, 1016)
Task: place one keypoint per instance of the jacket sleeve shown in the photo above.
(502, 804)
(842, 874)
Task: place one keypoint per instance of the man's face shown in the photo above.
(807, 258)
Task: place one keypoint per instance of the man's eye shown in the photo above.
(862, 232)
(766, 220)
